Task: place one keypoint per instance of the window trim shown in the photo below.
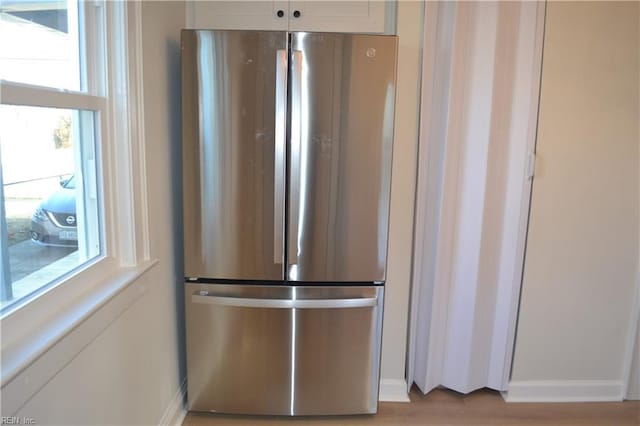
(125, 84)
(39, 96)
(84, 302)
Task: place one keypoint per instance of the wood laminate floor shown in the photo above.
(443, 407)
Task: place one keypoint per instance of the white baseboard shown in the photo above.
(564, 391)
(176, 411)
(392, 390)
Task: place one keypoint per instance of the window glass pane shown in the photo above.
(50, 209)
(40, 43)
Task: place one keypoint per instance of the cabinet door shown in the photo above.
(238, 15)
(338, 16)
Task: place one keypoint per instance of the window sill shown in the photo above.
(31, 360)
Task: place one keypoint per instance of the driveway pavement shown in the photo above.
(27, 257)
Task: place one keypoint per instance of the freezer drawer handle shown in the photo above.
(359, 302)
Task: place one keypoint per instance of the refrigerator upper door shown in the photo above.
(234, 87)
(342, 109)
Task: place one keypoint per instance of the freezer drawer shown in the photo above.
(283, 350)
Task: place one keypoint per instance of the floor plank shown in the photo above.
(444, 407)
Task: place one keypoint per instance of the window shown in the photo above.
(71, 136)
(41, 36)
(51, 213)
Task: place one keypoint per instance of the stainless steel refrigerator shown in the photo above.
(287, 143)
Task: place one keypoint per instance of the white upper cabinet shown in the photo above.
(359, 16)
(238, 15)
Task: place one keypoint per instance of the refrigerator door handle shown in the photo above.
(358, 302)
(279, 159)
(296, 155)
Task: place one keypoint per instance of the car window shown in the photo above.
(71, 183)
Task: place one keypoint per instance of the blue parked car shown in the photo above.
(54, 221)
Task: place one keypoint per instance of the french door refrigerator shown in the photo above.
(287, 143)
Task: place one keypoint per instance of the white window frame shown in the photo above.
(40, 337)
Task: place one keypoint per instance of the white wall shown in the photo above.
(403, 180)
(633, 391)
(582, 252)
(132, 370)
